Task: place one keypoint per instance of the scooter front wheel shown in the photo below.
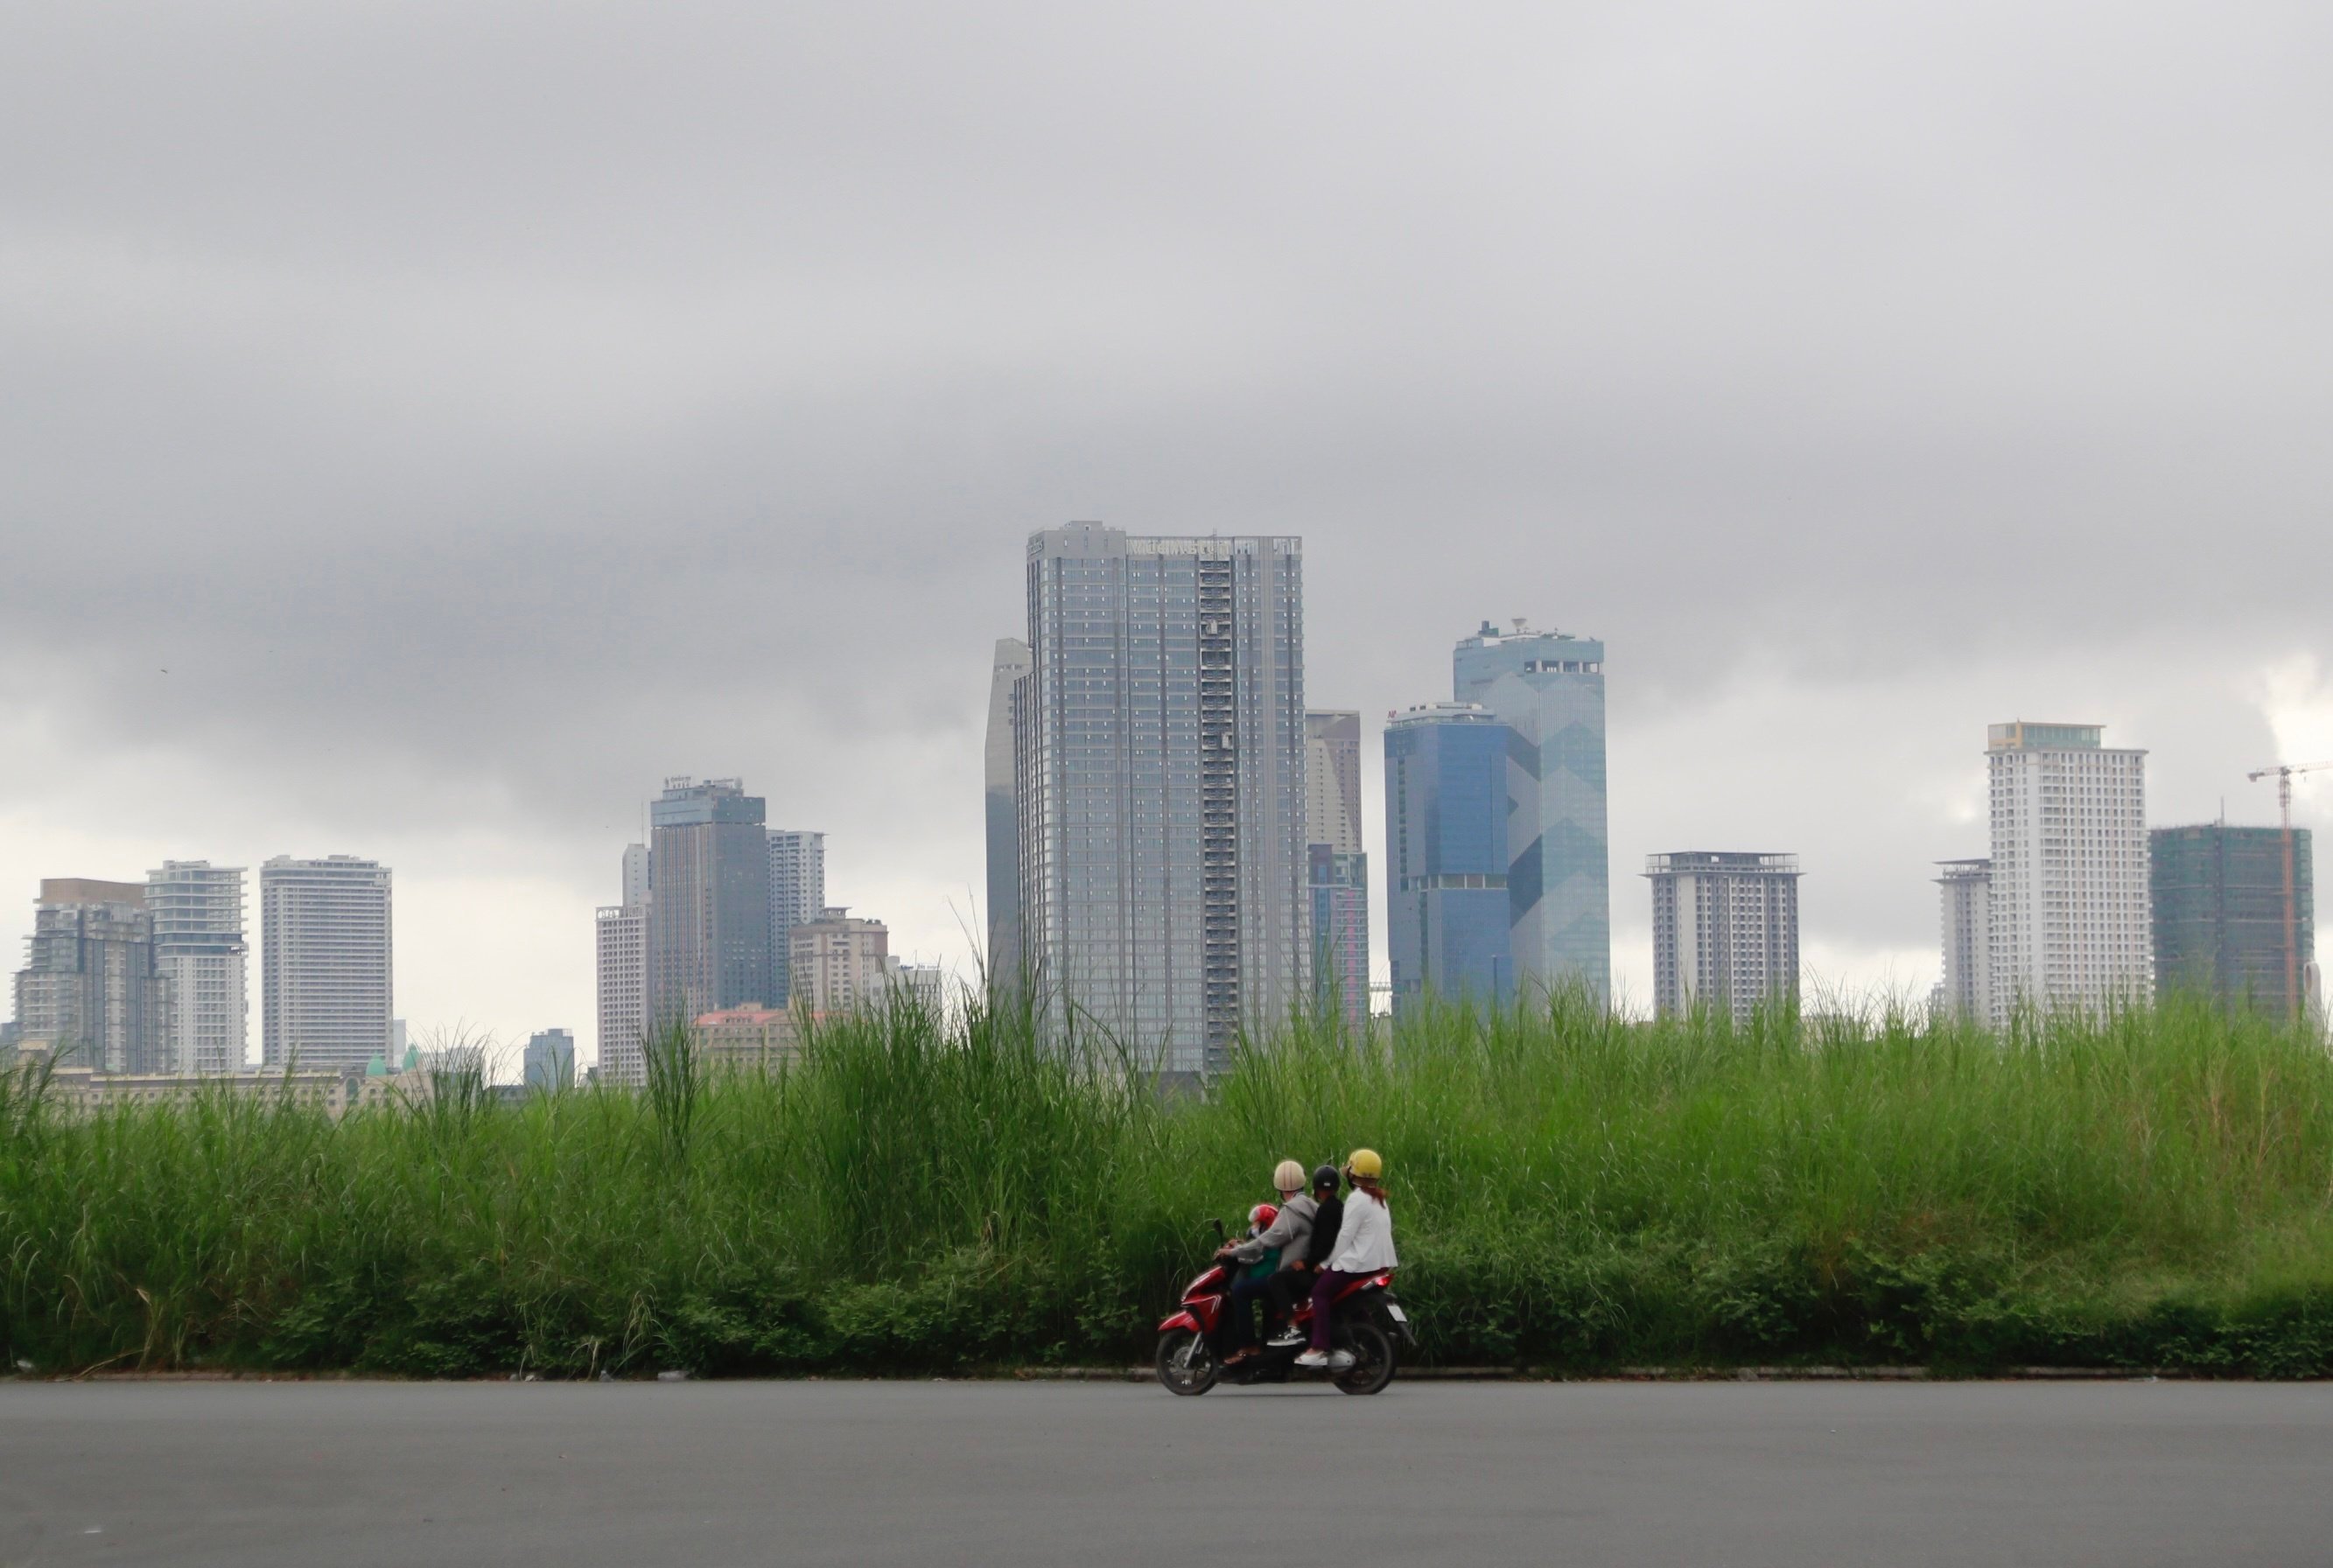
(1187, 1362)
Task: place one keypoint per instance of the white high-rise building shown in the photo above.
(797, 894)
(621, 949)
(1725, 930)
(1967, 915)
(623, 958)
(2068, 920)
(325, 969)
(200, 952)
(1160, 786)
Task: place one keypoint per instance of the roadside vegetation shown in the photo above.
(1571, 1192)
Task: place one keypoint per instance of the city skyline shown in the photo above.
(1963, 879)
(377, 494)
(808, 848)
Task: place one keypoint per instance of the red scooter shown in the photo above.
(1366, 1323)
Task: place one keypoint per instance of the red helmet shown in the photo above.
(1263, 1215)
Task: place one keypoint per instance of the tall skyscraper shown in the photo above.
(325, 967)
(1549, 689)
(1337, 865)
(89, 986)
(200, 952)
(1967, 920)
(797, 893)
(1003, 802)
(1725, 930)
(2069, 926)
(709, 909)
(620, 948)
(1447, 914)
(2217, 896)
(623, 949)
(549, 1061)
(840, 963)
(1161, 785)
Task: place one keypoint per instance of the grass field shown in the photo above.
(1570, 1191)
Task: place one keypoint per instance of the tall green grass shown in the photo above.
(1569, 1190)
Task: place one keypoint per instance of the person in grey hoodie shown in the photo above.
(1290, 1237)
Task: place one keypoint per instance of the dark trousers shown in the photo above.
(1239, 1312)
(1324, 1290)
(1288, 1289)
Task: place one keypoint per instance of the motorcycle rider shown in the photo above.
(1286, 1238)
(1281, 1242)
(1364, 1246)
(1294, 1283)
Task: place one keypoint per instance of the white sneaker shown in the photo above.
(1286, 1337)
(1313, 1358)
(1338, 1361)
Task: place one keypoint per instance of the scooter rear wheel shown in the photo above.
(1373, 1359)
(1185, 1362)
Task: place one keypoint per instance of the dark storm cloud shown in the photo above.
(535, 399)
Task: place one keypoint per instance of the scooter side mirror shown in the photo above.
(1220, 1238)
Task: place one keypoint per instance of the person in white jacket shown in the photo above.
(1364, 1246)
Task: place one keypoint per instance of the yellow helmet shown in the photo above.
(1288, 1177)
(1364, 1162)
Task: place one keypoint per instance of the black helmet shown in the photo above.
(1325, 1176)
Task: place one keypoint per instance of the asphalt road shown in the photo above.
(583, 1475)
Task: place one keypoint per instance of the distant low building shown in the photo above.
(926, 983)
(80, 1088)
(747, 1039)
(548, 1063)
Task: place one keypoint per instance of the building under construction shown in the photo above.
(2220, 922)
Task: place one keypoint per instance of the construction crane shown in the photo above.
(2282, 773)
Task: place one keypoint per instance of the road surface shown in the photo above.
(1104, 1474)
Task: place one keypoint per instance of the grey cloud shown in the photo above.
(484, 409)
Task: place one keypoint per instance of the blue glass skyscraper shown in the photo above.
(1446, 896)
(1549, 688)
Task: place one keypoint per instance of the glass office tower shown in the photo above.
(1447, 924)
(1549, 688)
(1159, 749)
(709, 903)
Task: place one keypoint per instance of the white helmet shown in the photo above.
(1288, 1177)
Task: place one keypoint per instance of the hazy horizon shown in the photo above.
(431, 425)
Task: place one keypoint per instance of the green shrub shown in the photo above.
(1570, 1191)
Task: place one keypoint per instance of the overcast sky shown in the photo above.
(424, 426)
